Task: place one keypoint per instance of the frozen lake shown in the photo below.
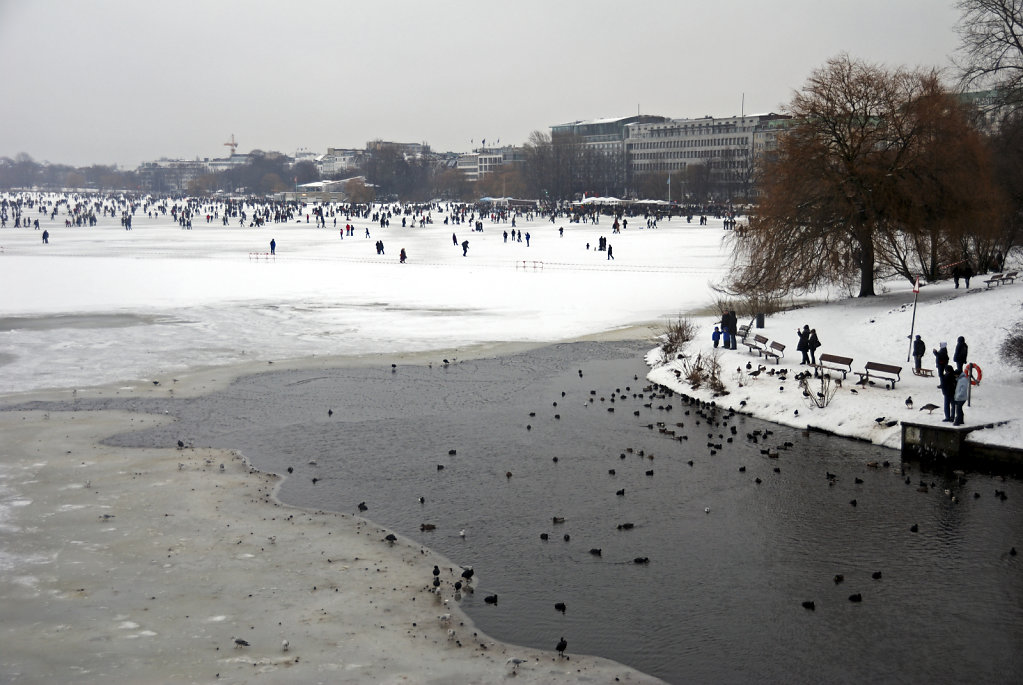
(102, 304)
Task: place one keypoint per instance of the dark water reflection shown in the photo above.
(720, 600)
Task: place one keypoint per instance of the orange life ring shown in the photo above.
(970, 368)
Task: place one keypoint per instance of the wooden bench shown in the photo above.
(835, 363)
(996, 279)
(758, 345)
(886, 372)
(776, 350)
(1009, 276)
(742, 332)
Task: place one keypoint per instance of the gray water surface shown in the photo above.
(730, 561)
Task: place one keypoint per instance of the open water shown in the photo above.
(530, 437)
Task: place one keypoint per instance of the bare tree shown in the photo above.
(873, 160)
(991, 49)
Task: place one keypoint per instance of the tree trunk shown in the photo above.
(866, 266)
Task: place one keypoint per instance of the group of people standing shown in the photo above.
(954, 382)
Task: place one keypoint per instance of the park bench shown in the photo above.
(886, 372)
(776, 350)
(742, 332)
(835, 362)
(1009, 276)
(996, 279)
(758, 345)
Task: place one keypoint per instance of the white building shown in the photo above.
(482, 161)
(727, 148)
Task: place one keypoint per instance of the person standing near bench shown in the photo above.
(959, 356)
(804, 344)
(919, 347)
(729, 323)
(813, 343)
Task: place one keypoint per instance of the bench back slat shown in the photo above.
(883, 368)
(835, 359)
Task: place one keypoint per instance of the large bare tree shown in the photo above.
(991, 49)
(878, 167)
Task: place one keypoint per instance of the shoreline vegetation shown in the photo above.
(145, 565)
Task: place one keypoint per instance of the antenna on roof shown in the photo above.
(742, 108)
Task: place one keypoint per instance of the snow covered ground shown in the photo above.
(99, 305)
(877, 329)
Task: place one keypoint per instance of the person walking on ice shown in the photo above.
(273, 246)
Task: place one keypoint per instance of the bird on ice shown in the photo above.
(562, 644)
(238, 642)
(285, 645)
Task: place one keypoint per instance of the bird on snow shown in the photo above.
(238, 642)
(909, 402)
(514, 663)
(562, 644)
(929, 407)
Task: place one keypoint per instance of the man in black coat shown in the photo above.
(959, 356)
(948, 391)
(919, 348)
(941, 358)
(730, 324)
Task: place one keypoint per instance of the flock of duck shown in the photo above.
(722, 428)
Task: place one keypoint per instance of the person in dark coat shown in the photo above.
(948, 391)
(919, 348)
(804, 344)
(967, 273)
(959, 356)
(941, 358)
(729, 324)
(813, 343)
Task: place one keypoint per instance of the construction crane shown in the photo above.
(231, 144)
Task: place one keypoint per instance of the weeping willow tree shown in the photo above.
(877, 171)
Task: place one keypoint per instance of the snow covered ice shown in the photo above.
(101, 305)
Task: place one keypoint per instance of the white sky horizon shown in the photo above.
(120, 82)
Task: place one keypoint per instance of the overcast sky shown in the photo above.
(123, 81)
